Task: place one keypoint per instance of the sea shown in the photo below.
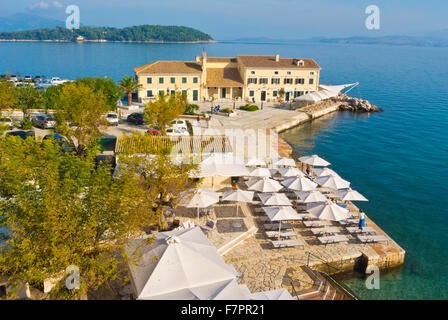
(397, 158)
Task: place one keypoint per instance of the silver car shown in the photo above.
(44, 121)
(7, 122)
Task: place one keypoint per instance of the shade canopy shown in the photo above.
(281, 213)
(334, 182)
(350, 195)
(254, 162)
(179, 264)
(264, 185)
(327, 93)
(260, 172)
(226, 165)
(290, 172)
(311, 196)
(274, 199)
(280, 294)
(299, 184)
(284, 162)
(238, 195)
(325, 172)
(199, 198)
(329, 211)
(314, 160)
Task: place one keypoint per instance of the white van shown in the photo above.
(179, 123)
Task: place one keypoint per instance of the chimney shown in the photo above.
(300, 63)
(277, 57)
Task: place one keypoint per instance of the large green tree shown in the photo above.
(8, 95)
(29, 98)
(80, 115)
(128, 85)
(106, 86)
(164, 109)
(60, 211)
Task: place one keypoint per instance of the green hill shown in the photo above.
(144, 33)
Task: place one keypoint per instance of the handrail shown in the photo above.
(320, 258)
(339, 286)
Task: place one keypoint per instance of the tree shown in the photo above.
(128, 85)
(80, 115)
(106, 86)
(29, 98)
(8, 95)
(164, 109)
(60, 211)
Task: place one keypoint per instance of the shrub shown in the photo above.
(249, 108)
(191, 109)
(226, 110)
(26, 124)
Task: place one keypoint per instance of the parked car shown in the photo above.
(28, 78)
(136, 118)
(14, 78)
(112, 118)
(37, 78)
(22, 134)
(44, 121)
(63, 142)
(7, 122)
(177, 132)
(179, 123)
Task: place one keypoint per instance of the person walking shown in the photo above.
(199, 120)
(362, 220)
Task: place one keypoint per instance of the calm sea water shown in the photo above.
(397, 159)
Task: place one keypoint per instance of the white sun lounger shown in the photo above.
(363, 230)
(348, 222)
(282, 234)
(274, 226)
(317, 223)
(288, 243)
(333, 239)
(373, 239)
(325, 230)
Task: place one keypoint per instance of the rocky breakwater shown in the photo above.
(356, 104)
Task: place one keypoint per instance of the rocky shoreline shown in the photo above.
(356, 104)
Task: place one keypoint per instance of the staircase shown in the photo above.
(323, 289)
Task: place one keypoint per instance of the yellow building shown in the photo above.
(250, 78)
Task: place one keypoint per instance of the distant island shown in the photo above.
(144, 33)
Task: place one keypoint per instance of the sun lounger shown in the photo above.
(325, 230)
(209, 226)
(348, 222)
(308, 217)
(333, 239)
(275, 226)
(318, 223)
(282, 234)
(373, 239)
(367, 230)
(288, 243)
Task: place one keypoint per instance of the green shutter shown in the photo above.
(149, 80)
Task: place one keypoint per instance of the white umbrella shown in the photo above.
(325, 172)
(299, 184)
(238, 196)
(329, 211)
(279, 294)
(314, 160)
(280, 214)
(274, 199)
(176, 262)
(254, 162)
(260, 172)
(311, 196)
(264, 185)
(290, 172)
(199, 198)
(334, 182)
(350, 195)
(284, 162)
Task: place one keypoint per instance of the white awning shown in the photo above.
(327, 92)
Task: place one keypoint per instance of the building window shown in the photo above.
(184, 93)
(275, 81)
(311, 81)
(300, 81)
(172, 91)
(252, 72)
(149, 80)
(251, 93)
(312, 73)
(195, 80)
(263, 80)
(184, 80)
(161, 92)
(288, 73)
(275, 72)
(252, 81)
(275, 93)
(195, 95)
(149, 93)
(173, 80)
(160, 80)
(288, 81)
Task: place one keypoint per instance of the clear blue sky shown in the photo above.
(231, 19)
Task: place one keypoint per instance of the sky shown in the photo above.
(233, 19)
